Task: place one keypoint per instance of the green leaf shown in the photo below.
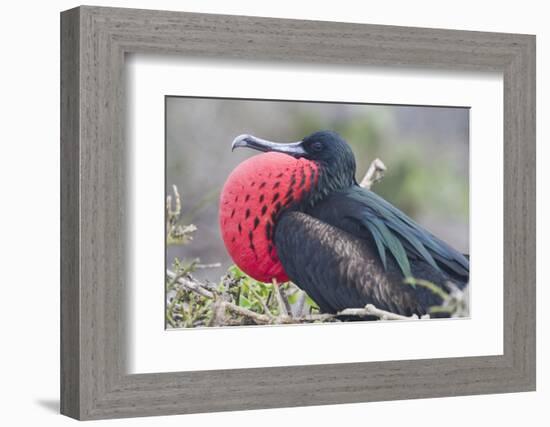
(244, 302)
(311, 303)
(293, 298)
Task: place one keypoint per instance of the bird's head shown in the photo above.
(327, 149)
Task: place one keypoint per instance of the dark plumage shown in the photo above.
(347, 247)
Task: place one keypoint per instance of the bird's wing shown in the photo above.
(357, 210)
(339, 270)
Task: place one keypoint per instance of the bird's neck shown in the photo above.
(330, 178)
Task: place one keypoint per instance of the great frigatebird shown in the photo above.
(296, 212)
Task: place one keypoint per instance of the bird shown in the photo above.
(296, 212)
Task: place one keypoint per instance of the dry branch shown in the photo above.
(175, 232)
(375, 173)
(283, 309)
(190, 284)
(260, 319)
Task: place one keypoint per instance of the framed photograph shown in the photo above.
(262, 213)
(228, 212)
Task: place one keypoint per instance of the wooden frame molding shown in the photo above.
(94, 41)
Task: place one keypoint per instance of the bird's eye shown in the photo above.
(317, 146)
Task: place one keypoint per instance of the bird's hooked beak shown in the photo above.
(295, 149)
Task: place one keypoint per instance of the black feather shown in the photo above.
(340, 270)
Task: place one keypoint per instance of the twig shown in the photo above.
(280, 301)
(257, 317)
(371, 310)
(263, 303)
(173, 214)
(374, 174)
(428, 285)
(368, 310)
(176, 234)
(298, 308)
(218, 314)
(191, 285)
(204, 266)
(177, 198)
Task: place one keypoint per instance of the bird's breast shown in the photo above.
(253, 197)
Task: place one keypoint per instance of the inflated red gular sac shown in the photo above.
(253, 197)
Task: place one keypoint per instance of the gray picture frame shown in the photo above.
(94, 41)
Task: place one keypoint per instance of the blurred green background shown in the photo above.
(425, 150)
